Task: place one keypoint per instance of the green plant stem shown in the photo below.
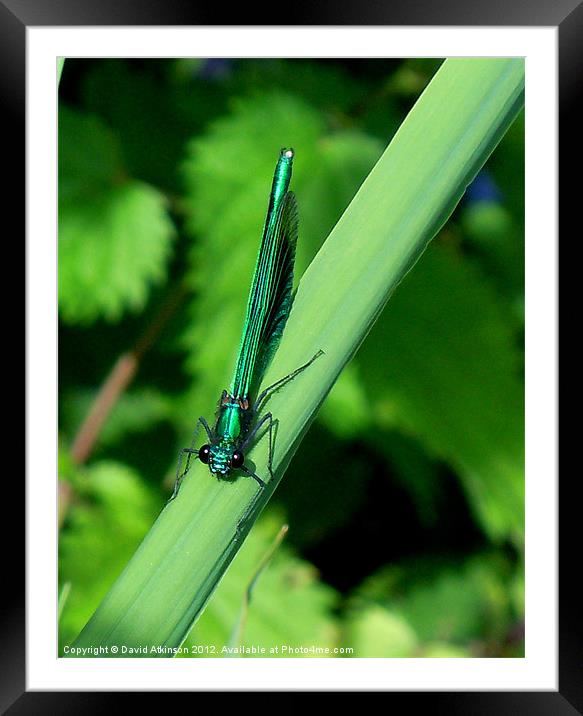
(237, 636)
(408, 196)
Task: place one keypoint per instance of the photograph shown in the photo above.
(291, 357)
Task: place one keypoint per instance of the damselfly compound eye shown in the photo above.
(237, 459)
(204, 453)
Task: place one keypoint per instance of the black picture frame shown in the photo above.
(567, 16)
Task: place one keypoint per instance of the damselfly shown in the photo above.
(238, 420)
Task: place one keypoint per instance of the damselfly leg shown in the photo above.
(189, 452)
(271, 429)
(265, 394)
(268, 417)
(272, 425)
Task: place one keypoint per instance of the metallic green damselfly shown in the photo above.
(238, 423)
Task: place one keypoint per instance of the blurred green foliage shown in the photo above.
(406, 509)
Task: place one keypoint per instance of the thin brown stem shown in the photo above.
(117, 381)
(121, 375)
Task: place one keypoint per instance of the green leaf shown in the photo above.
(376, 633)
(499, 243)
(508, 169)
(413, 469)
(439, 650)
(89, 156)
(102, 530)
(448, 602)
(451, 377)
(114, 234)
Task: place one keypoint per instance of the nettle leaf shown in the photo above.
(239, 152)
(289, 605)
(450, 376)
(114, 233)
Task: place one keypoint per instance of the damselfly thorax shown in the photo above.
(234, 416)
